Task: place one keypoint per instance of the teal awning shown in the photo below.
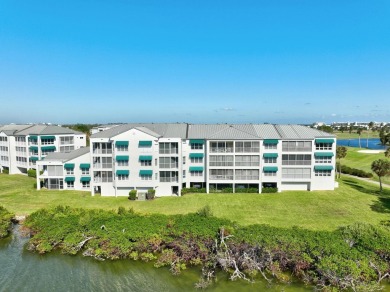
(196, 168)
(146, 157)
(196, 141)
(270, 155)
(322, 140)
(34, 158)
(35, 148)
(146, 172)
(33, 137)
(323, 154)
(85, 165)
(323, 167)
(145, 143)
(69, 178)
(46, 148)
(69, 165)
(122, 172)
(121, 143)
(270, 168)
(85, 178)
(196, 155)
(47, 137)
(122, 158)
(271, 141)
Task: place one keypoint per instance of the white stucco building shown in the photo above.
(169, 157)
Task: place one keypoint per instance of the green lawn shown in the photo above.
(354, 135)
(321, 210)
(363, 161)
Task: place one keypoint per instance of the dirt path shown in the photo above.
(367, 180)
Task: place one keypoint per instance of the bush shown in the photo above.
(269, 190)
(354, 171)
(133, 195)
(205, 212)
(248, 190)
(5, 170)
(32, 173)
(227, 190)
(192, 190)
(150, 194)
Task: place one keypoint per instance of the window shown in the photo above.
(221, 147)
(102, 176)
(322, 172)
(323, 159)
(122, 148)
(146, 162)
(269, 173)
(64, 149)
(122, 162)
(3, 139)
(221, 174)
(324, 146)
(106, 162)
(169, 176)
(21, 160)
(196, 173)
(69, 171)
(102, 148)
(70, 184)
(297, 146)
(196, 159)
(247, 174)
(3, 149)
(21, 150)
(66, 140)
(145, 177)
(296, 172)
(184, 174)
(195, 146)
(247, 146)
(296, 159)
(247, 160)
(86, 184)
(169, 162)
(270, 146)
(56, 170)
(270, 159)
(123, 177)
(47, 151)
(85, 171)
(47, 141)
(168, 148)
(221, 160)
(55, 184)
(184, 160)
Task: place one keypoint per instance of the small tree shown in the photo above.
(133, 195)
(341, 152)
(382, 168)
(387, 153)
(150, 194)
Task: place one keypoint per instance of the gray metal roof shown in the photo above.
(58, 156)
(12, 128)
(46, 130)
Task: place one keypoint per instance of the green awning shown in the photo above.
(33, 137)
(196, 141)
(85, 165)
(69, 178)
(323, 167)
(271, 141)
(47, 137)
(270, 155)
(69, 165)
(196, 155)
(35, 148)
(34, 158)
(121, 143)
(325, 140)
(146, 172)
(46, 148)
(85, 178)
(323, 154)
(145, 157)
(145, 143)
(196, 168)
(270, 168)
(122, 172)
(122, 158)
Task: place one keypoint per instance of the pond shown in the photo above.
(373, 143)
(21, 270)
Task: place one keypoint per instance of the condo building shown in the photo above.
(169, 157)
(21, 146)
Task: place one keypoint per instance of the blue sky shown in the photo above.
(194, 61)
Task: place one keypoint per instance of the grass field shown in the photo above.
(318, 210)
(354, 135)
(363, 161)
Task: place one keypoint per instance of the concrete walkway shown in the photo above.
(366, 179)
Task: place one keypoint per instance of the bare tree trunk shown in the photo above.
(380, 184)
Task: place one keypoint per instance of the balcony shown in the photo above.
(221, 177)
(222, 150)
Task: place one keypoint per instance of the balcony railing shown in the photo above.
(222, 150)
(296, 162)
(169, 179)
(247, 150)
(221, 177)
(247, 177)
(227, 163)
(296, 149)
(248, 163)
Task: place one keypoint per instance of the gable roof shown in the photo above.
(46, 130)
(58, 156)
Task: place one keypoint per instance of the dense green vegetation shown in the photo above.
(352, 257)
(353, 201)
(5, 221)
(354, 135)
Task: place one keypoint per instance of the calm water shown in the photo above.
(21, 270)
(373, 143)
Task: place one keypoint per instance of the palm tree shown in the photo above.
(359, 131)
(382, 168)
(341, 152)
